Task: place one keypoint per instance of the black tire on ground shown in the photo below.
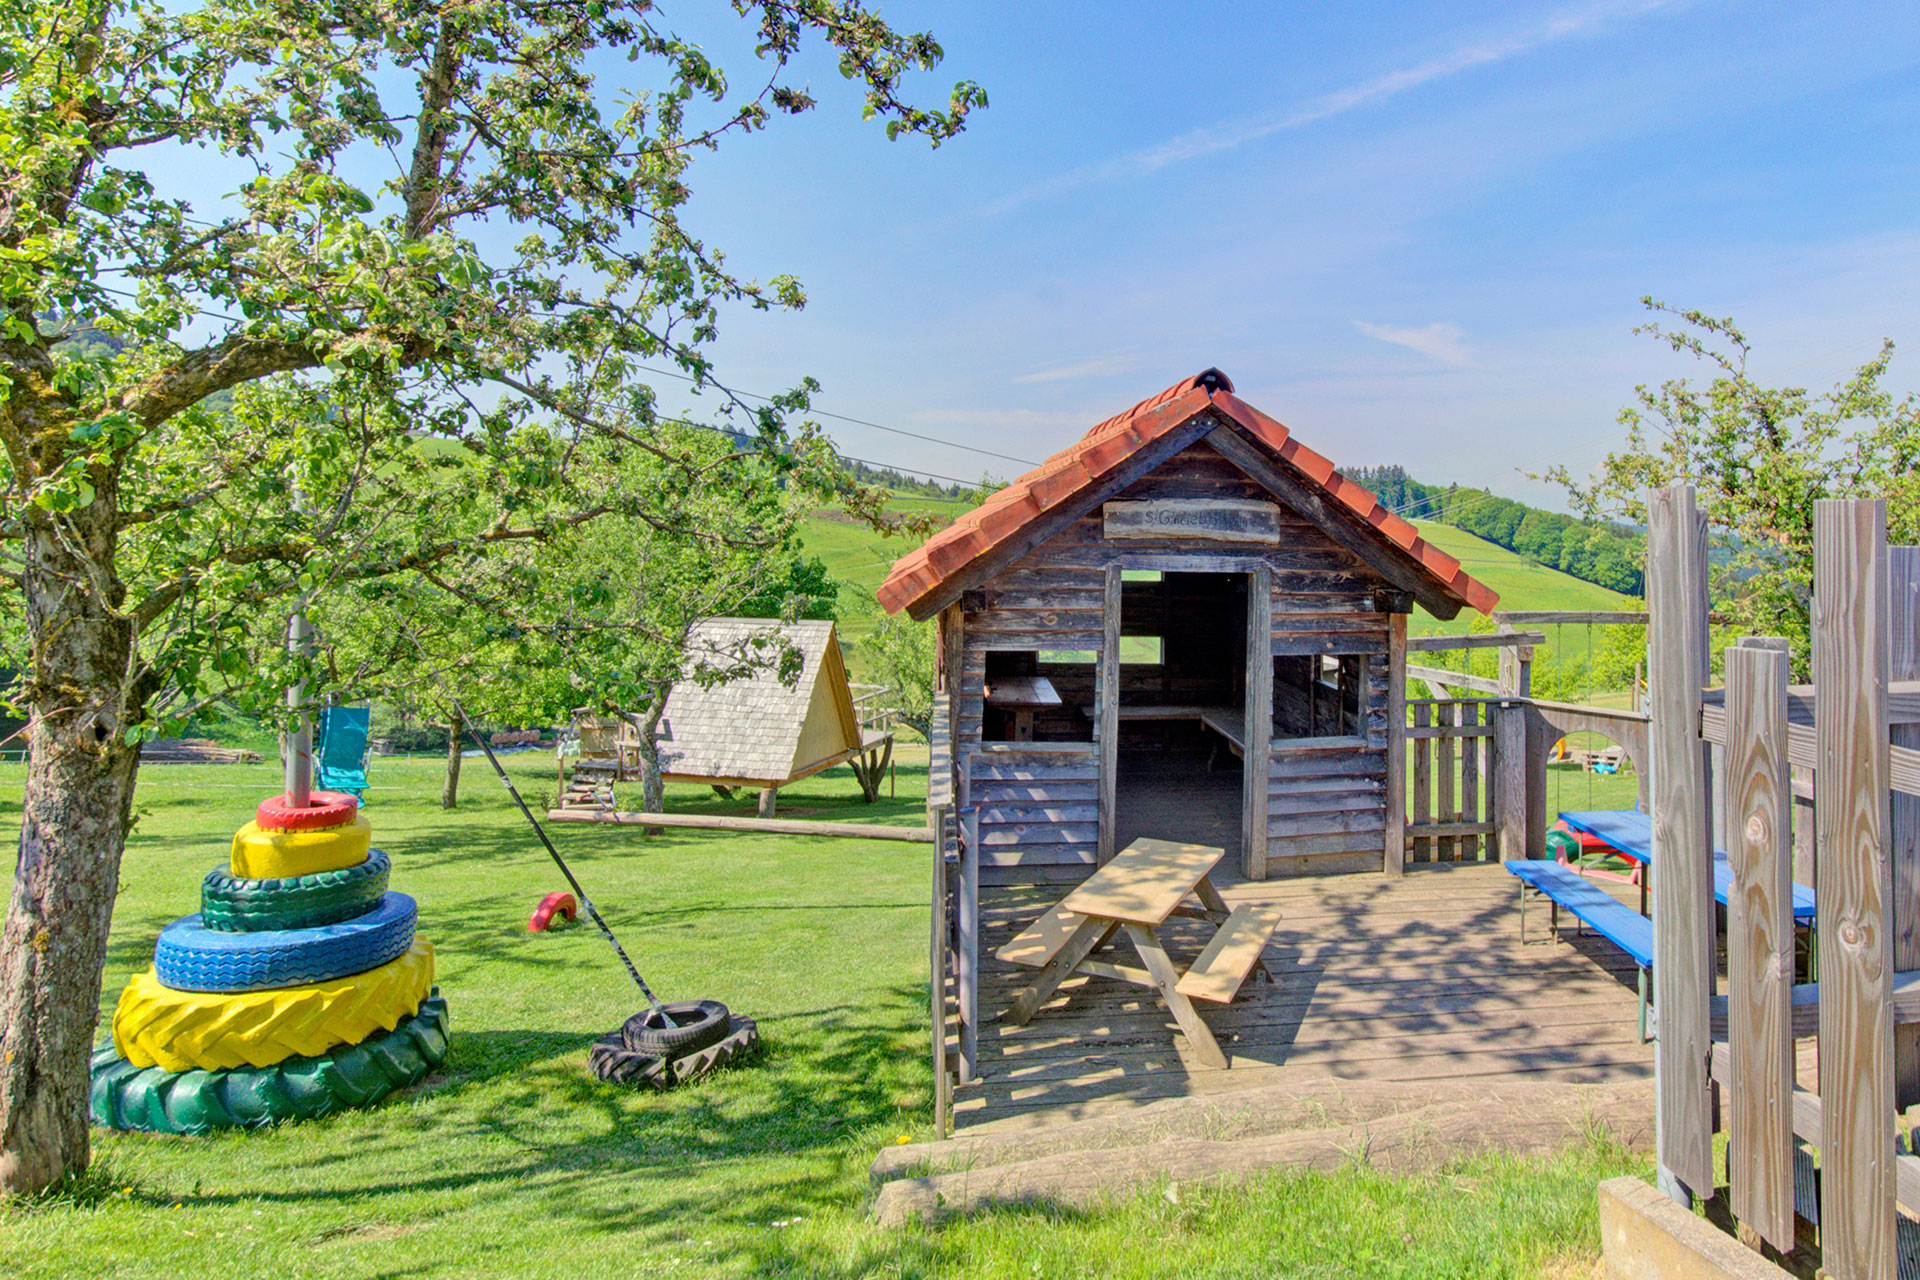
(609, 1059)
(698, 1023)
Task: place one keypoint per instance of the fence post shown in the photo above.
(1396, 850)
(1850, 662)
(967, 936)
(1683, 906)
(1510, 772)
(1760, 944)
(937, 967)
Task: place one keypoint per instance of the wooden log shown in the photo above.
(1256, 766)
(1548, 617)
(1850, 660)
(1396, 797)
(1903, 831)
(1477, 640)
(1760, 945)
(764, 826)
(1454, 679)
(1683, 905)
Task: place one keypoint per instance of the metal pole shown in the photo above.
(299, 763)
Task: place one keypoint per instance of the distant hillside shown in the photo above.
(1608, 555)
(1522, 584)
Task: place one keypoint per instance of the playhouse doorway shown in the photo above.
(1182, 701)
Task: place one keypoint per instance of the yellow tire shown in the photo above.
(283, 855)
(156, 1026)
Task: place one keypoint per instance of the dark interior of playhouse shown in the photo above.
(1183, 683)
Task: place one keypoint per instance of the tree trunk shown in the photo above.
(653, 787)
(456, 739)
(83, 690)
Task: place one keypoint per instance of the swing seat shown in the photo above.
(340, 757)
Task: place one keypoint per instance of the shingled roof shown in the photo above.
(1085, 468)
(757, 728)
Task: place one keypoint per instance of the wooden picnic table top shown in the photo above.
(1144, 882)
(1022, 692)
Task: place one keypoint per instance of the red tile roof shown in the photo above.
(1091, 460)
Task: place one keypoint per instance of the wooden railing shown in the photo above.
(954, 949)
(1451, 795)
(1866, 641)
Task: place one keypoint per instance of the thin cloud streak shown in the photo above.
(1238, 133)
(1120, 362)
(1440, 340)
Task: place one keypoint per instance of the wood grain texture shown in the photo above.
(1903, 830)
(1256, 764)
(1422, 780)
(967, 930)
(937, 968)
(1446, 749)
(1106, 730)
(1203, 519)
(1760, 945)
(1510, 758)
(1396, 797)
(1683, 905)
(1850, 658)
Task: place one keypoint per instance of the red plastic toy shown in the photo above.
(559, 903)
(327, 809)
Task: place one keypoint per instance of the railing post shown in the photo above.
(1510, 774)
(1683, 906)
(967, 934)
(1396, 851)
(1903, 835)
(937, 965)
(1850, 662)
(1759, 796)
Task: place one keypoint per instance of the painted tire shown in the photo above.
(229, 904)
(192, 957)
(277, 855)
(153, 1100)
(328, 809)
(558, 903)
(156, 1026)
(610, 1060)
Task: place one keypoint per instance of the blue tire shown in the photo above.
(192, 957)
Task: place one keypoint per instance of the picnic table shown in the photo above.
(1144, 886)
(1022, 695)
(1630, 833)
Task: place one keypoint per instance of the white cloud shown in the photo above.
(1238, 133)
(1440, 340)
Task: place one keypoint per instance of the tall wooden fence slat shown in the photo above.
(1422, 782)
(1856, 1018)
(1683, 914)
(1760, 944)
(1903, 833)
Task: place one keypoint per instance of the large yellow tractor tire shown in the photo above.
(282, 855)
(156, 1026)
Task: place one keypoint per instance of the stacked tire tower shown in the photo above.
(298, 990)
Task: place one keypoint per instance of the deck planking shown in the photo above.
(1413, 978)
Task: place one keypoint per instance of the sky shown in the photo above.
(1416, 234)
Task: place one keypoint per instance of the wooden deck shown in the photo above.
(1415, 978)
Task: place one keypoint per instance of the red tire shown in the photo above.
(558, 903)
(326, 809)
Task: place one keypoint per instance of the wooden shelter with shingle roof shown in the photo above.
(1186, 584)
(762, 730)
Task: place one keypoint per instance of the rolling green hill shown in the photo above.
(1521, 583)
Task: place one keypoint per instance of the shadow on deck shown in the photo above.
(1415, 978)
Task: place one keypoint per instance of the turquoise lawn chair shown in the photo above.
(341, 753)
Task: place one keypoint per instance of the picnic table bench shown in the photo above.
(1594, 907)
(1230, 723)
(1145, 885)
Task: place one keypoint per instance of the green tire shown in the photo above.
(151, 1100)
(234, 904)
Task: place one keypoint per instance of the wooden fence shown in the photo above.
(1451, 795)
(1853, 728)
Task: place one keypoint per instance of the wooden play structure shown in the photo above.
(1189, 630)
(760, 731)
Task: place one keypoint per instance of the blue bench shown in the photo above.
(1592, 906)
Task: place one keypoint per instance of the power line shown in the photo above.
(861, 422)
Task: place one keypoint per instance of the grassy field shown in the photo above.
(1521, 583)
(512, 1161)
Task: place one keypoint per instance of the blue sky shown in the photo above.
(1414, 233)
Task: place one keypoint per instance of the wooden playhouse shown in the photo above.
(1187, 625)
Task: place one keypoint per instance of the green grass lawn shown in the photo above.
(513, 1161)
